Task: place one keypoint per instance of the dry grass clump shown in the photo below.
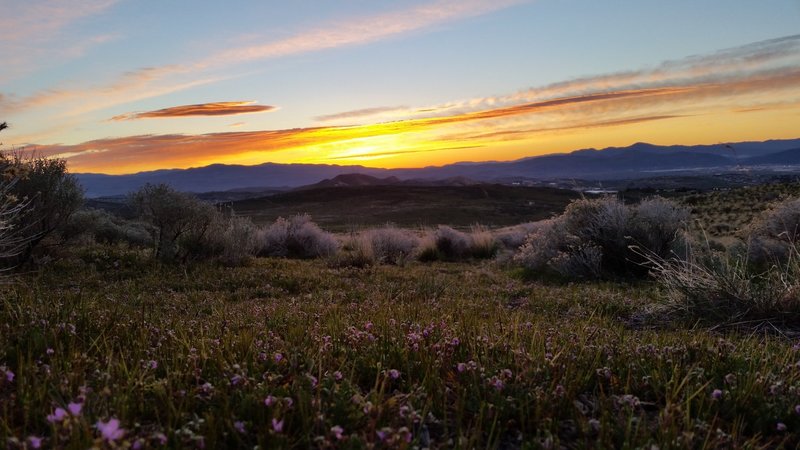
(449, 244)
(756, 284)
(390, 245)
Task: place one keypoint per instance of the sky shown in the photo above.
(123, 86)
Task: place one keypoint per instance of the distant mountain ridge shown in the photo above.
(635, 161)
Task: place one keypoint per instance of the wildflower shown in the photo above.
(337, 376)
(496, 383)
(110, 430)
(58, 415)
(781, 427)
(368, 326)
(716, 394)
(559, 391)
(152, 364)
(394, 374)
(289, 402)
(75, 408)
(270, 400)
(278, 357)
(239, 425)
(382, 434)
(730, 379)
(455, 342)
(162, 438)
(337, 432)
(797, 409)
(235, 380)
(313, 380)
(35, 441)
(8, 372)
(461, 367)
(50, 352)
(277, 425)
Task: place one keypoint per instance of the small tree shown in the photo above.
(180, 221)
(50, 193)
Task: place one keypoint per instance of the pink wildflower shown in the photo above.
(394, 374)
(277, 425)
(58, 415)
(337, 432)
(75, 408)
(35, 441)
(110, 430)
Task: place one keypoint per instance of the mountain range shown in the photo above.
(639, 160)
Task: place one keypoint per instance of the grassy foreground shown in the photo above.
(294, 354)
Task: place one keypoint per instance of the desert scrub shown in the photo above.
(596, 238)
(296, 237)
(293, 354)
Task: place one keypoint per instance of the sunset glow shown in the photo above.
(387, 84)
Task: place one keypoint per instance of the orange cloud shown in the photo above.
(200, 109)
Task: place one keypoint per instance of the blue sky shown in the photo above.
(70, 67)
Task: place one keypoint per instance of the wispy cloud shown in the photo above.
(740, 66)
(363, 112)
(200, 109)
(363, 30)
(29, 31)
(155, 81)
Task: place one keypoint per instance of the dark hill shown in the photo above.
(347, 207)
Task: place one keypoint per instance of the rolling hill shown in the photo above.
(638, 160)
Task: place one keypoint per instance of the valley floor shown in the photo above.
(295, 354)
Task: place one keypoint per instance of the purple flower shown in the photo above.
(162, 438)
(797, 409)
(461, 367)
(239, 425)
(277, 425)
(152, 364)
(58, 415)
(497, 383)
(110, 430)
(455, 342)
(337, 432)
(9, 375)
(75, 408)
(716, 394)
(337, 376)
(235, 380)
(35, 441)
(781, 426)
(313, 380)
(394, 374)
(382, 434)
(278, 357)
(270, 400)
(50, 351)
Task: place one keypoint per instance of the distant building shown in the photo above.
(600, 191)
